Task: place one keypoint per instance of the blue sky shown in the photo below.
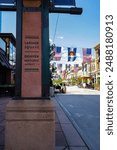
(8, 24)
(81, 31)
(78, 30)
(72, 30)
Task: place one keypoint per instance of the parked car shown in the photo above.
(60, 88)
(63, 88)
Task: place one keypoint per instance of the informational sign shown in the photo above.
(64, 2)
(31, 55)
(32, 3)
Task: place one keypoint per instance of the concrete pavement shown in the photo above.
(84, 112)
(81, 91)
(67, 137)
(3, 103)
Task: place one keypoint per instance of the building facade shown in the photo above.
(97, 65)
(7, 58)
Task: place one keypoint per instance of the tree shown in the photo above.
(52, 52)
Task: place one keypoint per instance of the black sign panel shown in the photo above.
(7, 1)
(64, 2)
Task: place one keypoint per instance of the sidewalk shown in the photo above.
(3, 103)
(81, 91)
(67, 137)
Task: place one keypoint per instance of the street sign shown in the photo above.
(7, 1)
(64, 2)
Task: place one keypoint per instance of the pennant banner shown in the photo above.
(85, 67)
(71, 54)
(76, 68)
(58, 54)
(68, 67)
(82, 67)
(59, 67)
(64, 2)
(87, 55)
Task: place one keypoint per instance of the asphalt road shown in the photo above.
(84, 111)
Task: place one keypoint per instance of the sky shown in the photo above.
(77, 30)
(8, 23)
(80, 31)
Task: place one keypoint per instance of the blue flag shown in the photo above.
(58, 49)
(64, 2)
(58, 53)
(71, 54)
(76, 68)
(88, 51)
(87, 57)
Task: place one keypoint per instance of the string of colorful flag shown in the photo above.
(71, 52)
(65, 67)
(87, 54)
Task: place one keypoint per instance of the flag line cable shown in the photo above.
(56, 28)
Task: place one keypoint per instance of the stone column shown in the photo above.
(32, 49)
(30, 120)
(30, 125)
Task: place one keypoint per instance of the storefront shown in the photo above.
(7, 62)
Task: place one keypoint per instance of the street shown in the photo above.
(83, 108)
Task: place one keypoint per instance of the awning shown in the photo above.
(3, 60)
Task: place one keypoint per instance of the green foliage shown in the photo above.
(79, 81)
(73, 80)
(76, 80)
(98, 80)
(51, 51)
(97, 85)
(84, 80)
(57, 81)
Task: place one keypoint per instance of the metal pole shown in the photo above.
(18, 49)
(45, 49)
(7, 7)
